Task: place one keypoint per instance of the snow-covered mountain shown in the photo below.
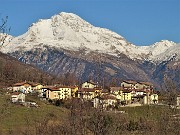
(66, 35)
(69, 31)
(161, 51)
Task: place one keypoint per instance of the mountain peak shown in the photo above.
(70, 19)
(164, 43)
(65, 14)
(58, 26)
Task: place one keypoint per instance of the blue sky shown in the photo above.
(141, 22)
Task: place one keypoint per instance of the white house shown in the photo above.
(128, 84)
(108, 100)
(17, 97)
(89, 84)
(178, 100)
(97, 103)
(153, 98)
(105, 101)
(137, 85)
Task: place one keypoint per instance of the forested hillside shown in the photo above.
(11, 71)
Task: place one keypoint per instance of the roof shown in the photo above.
(136, 90)
(138, 96)
(116, 88)
(139, 90)
(127, 91)
(48, 87)
(66, 87)
(89, 94)
(128, 87)
(130, 82)
(25, 82)
(108, 96)
(55, 88)
(134, 82)
(105, 91)
(16, 93)
(97, 88)
(87, 90)
(90, 81)
(34, 84)
(21, 83)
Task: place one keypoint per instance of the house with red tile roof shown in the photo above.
(88, 93)
(59, 92)
(24, 87)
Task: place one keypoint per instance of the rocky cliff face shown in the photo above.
(68, 44)
(84, 66)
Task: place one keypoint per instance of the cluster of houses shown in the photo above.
(128, 93)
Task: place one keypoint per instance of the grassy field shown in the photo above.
(152, 112)
(16, 116)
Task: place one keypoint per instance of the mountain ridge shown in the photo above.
(76, 32)
(75, 40)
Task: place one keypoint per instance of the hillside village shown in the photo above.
(129, 93)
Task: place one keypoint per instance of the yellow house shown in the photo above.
(121, 94)
(43, 91)
(117, 91)
(97, 91)
(62, 92)
(88, 93)
(126, 96)
(37, 87)
(74, 90)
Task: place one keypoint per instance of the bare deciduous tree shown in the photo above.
(3, 30)
(171, 89)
